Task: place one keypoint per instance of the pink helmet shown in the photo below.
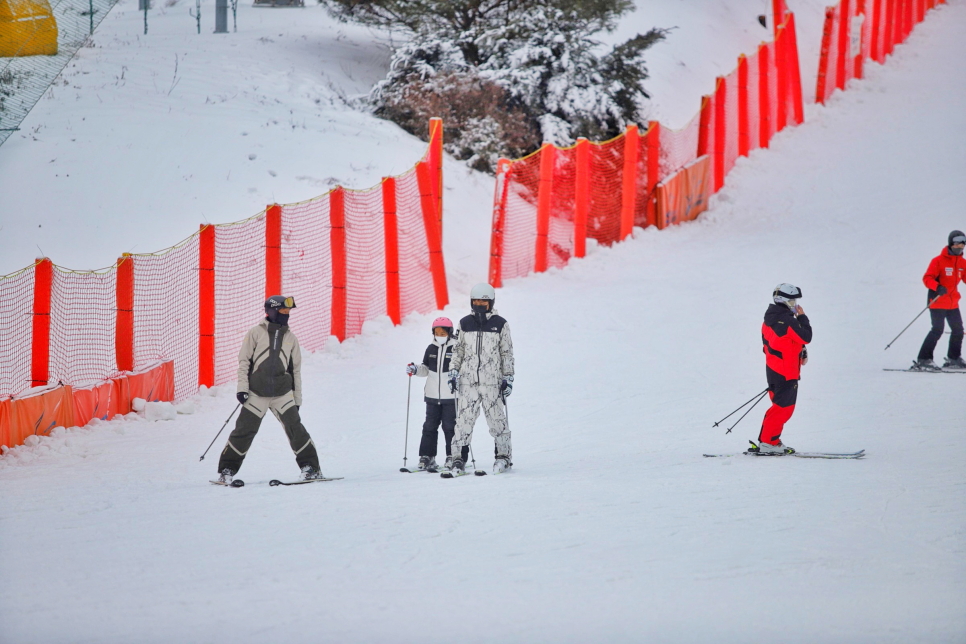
(446, 323)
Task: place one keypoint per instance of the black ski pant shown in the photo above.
(438, 412)
(249, 420)
(939, 317)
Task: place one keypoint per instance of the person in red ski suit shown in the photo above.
(784, 334)
(942, 278)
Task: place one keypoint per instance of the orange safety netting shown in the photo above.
(860, 30)
(547, 204)
(16, 301)
(347, 257)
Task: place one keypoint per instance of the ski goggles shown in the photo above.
(959, 239)
(289, 303)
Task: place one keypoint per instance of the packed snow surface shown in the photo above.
(611, 525)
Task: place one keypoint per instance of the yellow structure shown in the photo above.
(27, 28)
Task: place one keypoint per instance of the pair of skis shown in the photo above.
(828, 455)
(275, 482)
(446, 474)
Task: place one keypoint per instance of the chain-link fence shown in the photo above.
(28, 26)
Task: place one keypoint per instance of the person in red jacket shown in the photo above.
(784, 334)
(942, 278)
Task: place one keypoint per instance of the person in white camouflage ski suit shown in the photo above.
(482, 373)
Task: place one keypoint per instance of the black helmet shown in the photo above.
(276, 302)
(956, 237)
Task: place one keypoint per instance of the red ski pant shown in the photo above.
(783, 397)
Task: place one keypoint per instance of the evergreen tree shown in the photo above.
(526, 71)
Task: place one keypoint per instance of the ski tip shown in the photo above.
(274, 482)
(238, 483)
(404, 470)
(480, 473)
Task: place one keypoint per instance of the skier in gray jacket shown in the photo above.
(482, 373)
(270, 378)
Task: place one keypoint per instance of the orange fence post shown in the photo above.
(40, 342)
(653, 169)
(764, 97)
(778, 10)
(719, 133)
(910, 19)
(436, 166)
(581, 197)
(781, 76)
(744, 143)
(433, 238)
(629, 181)
(860, 10)
(823, 61)
(390, 227)
(794, 72)
(499, 221)
(124, 330)
(888, 39)
(876, 51)
(206, 306)
(273, 250)
(337, 241)
(544, 196)
(704, 126)
(844, 44)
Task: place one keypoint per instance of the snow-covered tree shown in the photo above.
(506, 75)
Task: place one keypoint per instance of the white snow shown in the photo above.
(611, 526)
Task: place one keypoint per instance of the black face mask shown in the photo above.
(955, 251)
(480, 310)
(277, 318)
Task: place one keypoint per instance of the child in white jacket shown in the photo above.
(440, 401)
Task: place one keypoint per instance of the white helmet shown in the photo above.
(483, 291)
(786, 294)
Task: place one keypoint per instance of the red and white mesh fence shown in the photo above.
(347, 257)
(548, 203)
(858, 30)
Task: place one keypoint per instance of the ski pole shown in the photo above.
(219, 432)
(409, 393)
(472, 458)
(746, 413)
(913, 320)
(762, 393)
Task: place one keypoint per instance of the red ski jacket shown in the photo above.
(947, 270)
(783, 337)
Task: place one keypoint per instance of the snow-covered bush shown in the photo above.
(506, 75)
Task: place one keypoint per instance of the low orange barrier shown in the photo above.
(154, 384)
(685, 195)
(36, 415)
(93, 402)
(63, 406)
(5, 422)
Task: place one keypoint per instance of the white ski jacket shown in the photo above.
(435, 367)
(484, 353)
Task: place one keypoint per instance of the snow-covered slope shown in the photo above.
(611, 527)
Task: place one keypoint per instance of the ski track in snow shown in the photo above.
(611, 525)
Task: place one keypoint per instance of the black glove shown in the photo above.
(506, 386)
(941, 290)
(242, 397)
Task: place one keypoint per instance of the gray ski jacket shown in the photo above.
(270, 362)
(484, 353)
